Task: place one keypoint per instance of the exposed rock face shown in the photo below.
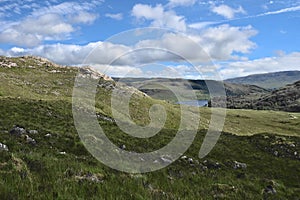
(91, 73)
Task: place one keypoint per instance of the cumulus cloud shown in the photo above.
(83, 18)
(263, 65)
(223, 41)
(159, 17)
(67, 54)
(120, 71)
(117, 16)
(50, 23)
(227, 11)
(217, 43)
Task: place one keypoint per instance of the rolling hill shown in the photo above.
(160, 88)
(42, 156)
(286, 98)
(272, 80)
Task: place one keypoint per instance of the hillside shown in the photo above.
(43, 157)
(286, 98)
(160, 88)
(268, 80)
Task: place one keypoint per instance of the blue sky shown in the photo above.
(240, 37)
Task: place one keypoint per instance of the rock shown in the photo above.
(270, 190)
(62, 153)
(183, 157)
(275, 153)
(30, 140)
(203, 167)
(3, 147)
(123, 147)
(292, 145)
(105, 118)
(96, 178)
(239, 165)
(16, 130)
(33, 132)
(190, 160)
(48, 135)
(211, 164)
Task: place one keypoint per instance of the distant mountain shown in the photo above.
(286, 98)
(160, 88)
(272, 80)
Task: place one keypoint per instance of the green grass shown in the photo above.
(42, 172)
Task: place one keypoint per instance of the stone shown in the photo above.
(183, 157)
(292, 145)
(3, 147)
(33, 132)
(239, 165)
(16, 130)
(270, 190)
(30, 140)
(123, 147)
(211, 164)
(275, 153)
(48, 135)
(96, 178)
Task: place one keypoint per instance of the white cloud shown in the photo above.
(223, 41)
(117, 16)
(263, 65)
(291, 9)
(75, 55)
(173, 47)
(217, 43)
(17, 50)
(174, 3)
(227, 11)
(159, 17)
(83, 18)
(47, 23)
(103, 53)
(201, 25)
(120, 71)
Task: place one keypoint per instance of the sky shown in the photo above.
(193, 39)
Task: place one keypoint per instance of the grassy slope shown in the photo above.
(40, 172)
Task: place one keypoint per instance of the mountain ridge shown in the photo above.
(272, 80)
